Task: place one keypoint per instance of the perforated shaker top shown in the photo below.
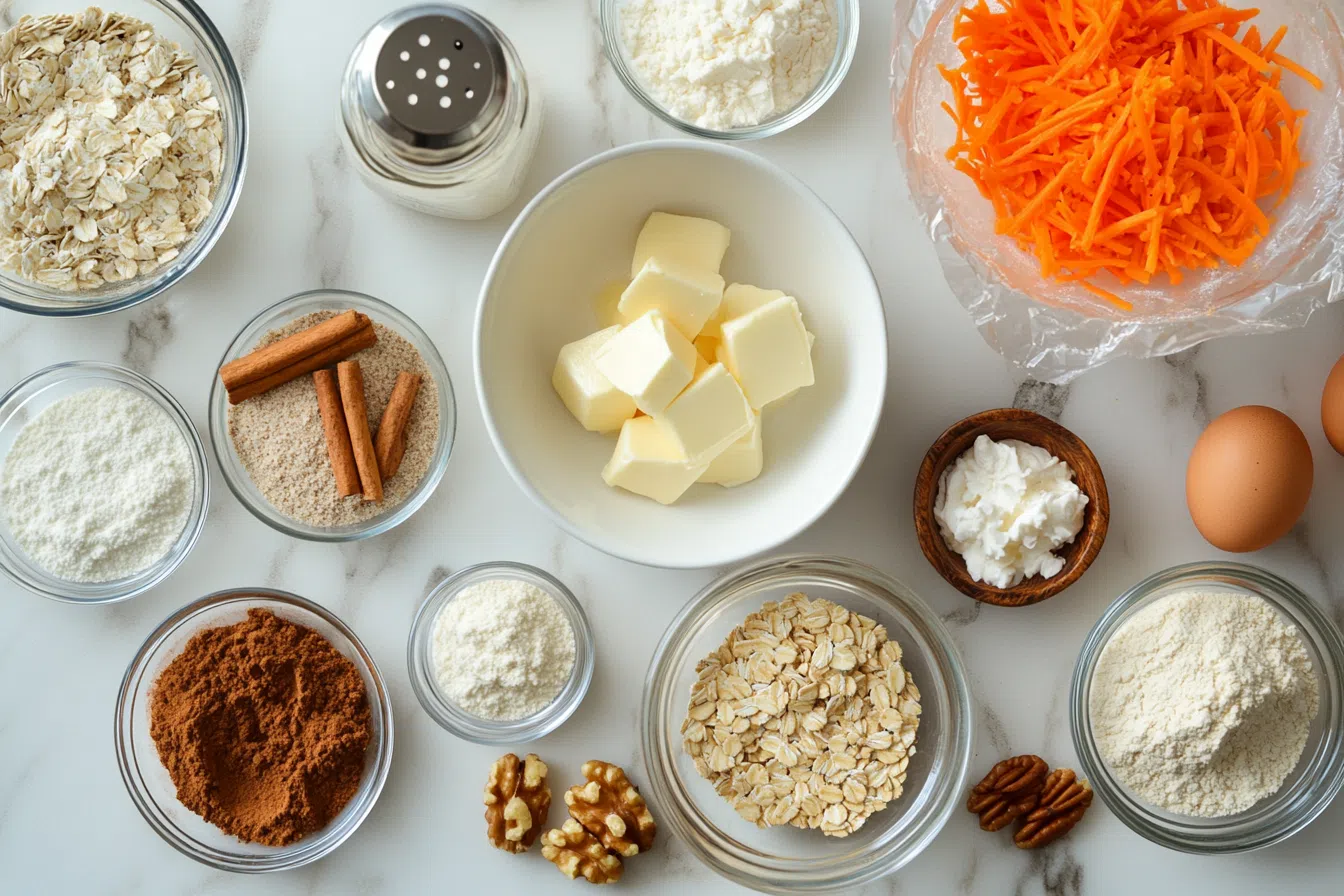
(439, 76)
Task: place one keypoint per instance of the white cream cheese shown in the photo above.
(1005, 507)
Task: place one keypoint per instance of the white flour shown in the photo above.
(97, 486)
(1202, 702)
(729, 63)
(502, 649)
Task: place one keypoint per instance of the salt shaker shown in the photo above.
(437, 112)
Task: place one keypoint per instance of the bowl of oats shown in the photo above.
(123, 143)
(806, 725)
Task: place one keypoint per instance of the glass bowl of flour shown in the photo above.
(732, 71)
(500, 653)
(1207, 708)
(103, 483)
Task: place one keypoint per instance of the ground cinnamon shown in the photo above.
(263, 727)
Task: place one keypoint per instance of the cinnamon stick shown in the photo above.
(288, 351)
(360, 340)
(351, 379)
(339, 450)
(390, 445)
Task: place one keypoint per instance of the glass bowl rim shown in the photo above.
(117, 590)
(958, 740)
(1230, 835)
(217, 413)
(848, 13)
(310, 848)
(488, 731)
(203, 241)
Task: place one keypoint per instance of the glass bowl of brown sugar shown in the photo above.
(155, 717)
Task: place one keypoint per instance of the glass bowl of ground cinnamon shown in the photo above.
(332, 416)
(254, 731)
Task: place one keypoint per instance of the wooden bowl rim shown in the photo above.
(1096, 520)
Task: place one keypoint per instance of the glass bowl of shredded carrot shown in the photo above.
(1106, 178)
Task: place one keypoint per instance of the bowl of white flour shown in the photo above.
(731, 69)
(103, 483)
(1207, 708)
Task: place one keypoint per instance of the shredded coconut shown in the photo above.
(722, 64)
(503, 649)
(1202, 703)
(98, 486)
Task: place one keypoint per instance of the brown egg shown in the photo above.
(1249, 478)
(1332, 407)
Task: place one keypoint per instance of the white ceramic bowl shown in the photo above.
(579, 234)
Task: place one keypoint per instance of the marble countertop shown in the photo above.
(305, 220)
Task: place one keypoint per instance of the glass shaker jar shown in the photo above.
(437, 112)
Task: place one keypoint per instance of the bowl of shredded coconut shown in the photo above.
(731, 69)
(123, 143)
(1207, 708)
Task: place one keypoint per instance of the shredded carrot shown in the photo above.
(1123, 139)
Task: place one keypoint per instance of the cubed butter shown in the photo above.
(649, 360)
(738, 299)
(649, 462)
(690, 242)
(709, 416)
(741, 462)
(590, 396)
(687, 296)
(708, 347)
(768, 351)
(604, 304)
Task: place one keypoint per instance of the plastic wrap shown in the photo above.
(1055, 331)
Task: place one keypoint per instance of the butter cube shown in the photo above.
(649, 462)
(691, 242)
(738, 299)
(687, 296)
(741, 462)
(649, 360)
(709, 416)
(708, 347)
(768, 351)
(605, 302)
(591, 398)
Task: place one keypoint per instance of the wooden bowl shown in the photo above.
(1032, 428)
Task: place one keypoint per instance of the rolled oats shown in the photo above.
(805, 715)
(111, 147)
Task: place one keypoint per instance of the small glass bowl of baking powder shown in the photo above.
(21, 404)
(845, 15)
(152, 789)
(420, 659)
(1308, 789)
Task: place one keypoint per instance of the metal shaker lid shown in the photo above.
(432, 78)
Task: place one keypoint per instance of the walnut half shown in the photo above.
(517, 799)
(612, 810)
(1063, 801)
(1010, 791)
(578, 853)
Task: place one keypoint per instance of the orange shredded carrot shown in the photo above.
(1123, 139)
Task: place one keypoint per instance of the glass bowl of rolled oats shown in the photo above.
(806, 725)
(123, 143)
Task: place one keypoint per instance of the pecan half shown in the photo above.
(578, 853)
(517, 799)
(1063, 801)
(612, 810)
(1008, 792)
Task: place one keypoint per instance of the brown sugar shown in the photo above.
(263, 727)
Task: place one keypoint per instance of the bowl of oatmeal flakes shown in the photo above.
(123, 143)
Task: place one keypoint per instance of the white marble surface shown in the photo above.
(66, 825)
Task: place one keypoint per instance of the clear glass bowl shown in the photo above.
(789, 860)
(279, 314)
(846, 13)
(1319, 774)
(37, 392)
(151, 788)
(187, 24)
(420, 660)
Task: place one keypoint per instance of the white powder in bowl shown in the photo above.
(98, 486)
(502, 649)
